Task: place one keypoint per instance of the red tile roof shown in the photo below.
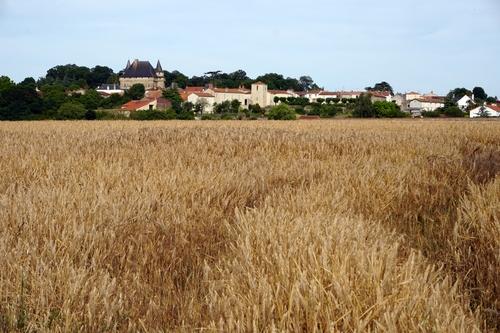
(494, 107)
(430, 100)
(203, 94)
(134, 105)
(231, 91)
(194, 89)
(276, 92)
(328, 93)
(153, 93)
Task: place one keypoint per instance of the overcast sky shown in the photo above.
(342, 44)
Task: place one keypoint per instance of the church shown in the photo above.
(144, 73)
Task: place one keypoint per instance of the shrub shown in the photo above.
(185, 115)
(453, 111)
(137, 91)
(110, 115)
(153, 115)
(90, 115)
(210, 116)
(388, 110)
(71, 110)
(329, 111)
(228, 116)
(281, 112)
(431, 114)
(364, 107)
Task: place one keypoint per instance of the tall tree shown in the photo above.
(306, 83)
(173, 96)
(364, 107)
(381, 86)
(137, 91)
(479, 93)
(6, 83)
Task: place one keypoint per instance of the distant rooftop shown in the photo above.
(141, 69)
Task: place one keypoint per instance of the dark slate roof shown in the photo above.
(158, 67)
(139, 69)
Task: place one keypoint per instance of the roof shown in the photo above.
(429, 100)
(134, 105)
(202, 94)
(380, 93)
(277, 92)
(154, 94)
(494, 107)
(193, 89)
(139, 69)
(329, 93)
(231, 91)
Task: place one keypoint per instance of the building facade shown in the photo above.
(142, 72)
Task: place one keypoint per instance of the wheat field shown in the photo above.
(306, 226)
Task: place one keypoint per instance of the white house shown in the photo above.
(109, 89)
(203, 98)
(491, 110)
(228, 94)
(464, 102)
(409, 96)
(425, 104)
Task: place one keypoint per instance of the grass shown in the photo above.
(350, 225)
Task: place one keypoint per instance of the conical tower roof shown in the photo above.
(158, 67)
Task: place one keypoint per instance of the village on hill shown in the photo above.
(141, 91)
(208, 96)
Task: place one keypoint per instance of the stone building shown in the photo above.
(144, 73)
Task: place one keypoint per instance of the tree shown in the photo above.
(307, 83)
(175, 98)
(452, 111)
(177, 78)
(6, 83)
(71, 110)
(235, 106)
(212, 75)
(187, 107)
(91, 100)
(137, 91)
(364, 107)
(200, 106)
(53, 96)
(479, 93)
(29, 83)
(281, 112)
(221, 108)
(381, 86)
(388, 110)
(99, 75)
(456, 94)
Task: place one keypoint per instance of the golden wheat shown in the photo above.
(250, 226)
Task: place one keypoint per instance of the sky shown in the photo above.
(342, 44)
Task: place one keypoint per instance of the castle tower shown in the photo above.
(160, 76)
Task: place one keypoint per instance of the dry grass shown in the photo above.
(250, 226)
